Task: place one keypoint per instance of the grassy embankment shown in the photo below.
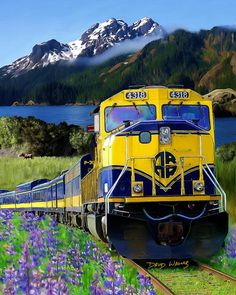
(14, 171)
(226, 174)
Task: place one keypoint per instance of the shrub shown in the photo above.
(226, 152)
(30, 135)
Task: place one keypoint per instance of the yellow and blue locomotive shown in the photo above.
(148, 187)
(154, 166)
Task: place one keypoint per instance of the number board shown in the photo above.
(132, 95)
(179, 94)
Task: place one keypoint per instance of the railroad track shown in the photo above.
(199, 279)
(217, 273)
(158, 285)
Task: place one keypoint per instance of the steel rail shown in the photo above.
(156, 283)
(216, 272)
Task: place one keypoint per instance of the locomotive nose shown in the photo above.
(137, 238)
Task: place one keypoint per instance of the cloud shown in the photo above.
(125, 47)
(134, 45)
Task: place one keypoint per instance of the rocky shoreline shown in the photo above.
(223, 101)
(32, 103)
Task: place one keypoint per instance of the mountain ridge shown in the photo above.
(93, 42)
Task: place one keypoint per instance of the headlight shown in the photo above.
(138, 188)
(165, 135)
(214, 203)
(198, 186)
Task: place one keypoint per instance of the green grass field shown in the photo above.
(14, 171)
(226, 174)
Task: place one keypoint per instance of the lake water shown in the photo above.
(225, 130)
(80, 115)
(77, 115)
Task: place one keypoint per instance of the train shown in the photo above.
(148, 185)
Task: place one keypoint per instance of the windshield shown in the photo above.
(197, 114)
(116, 115)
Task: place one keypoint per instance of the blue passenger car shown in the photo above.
(8, 200)
(56, 198)
(40, 196)
(23, 193)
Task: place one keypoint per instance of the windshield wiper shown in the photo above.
(112, 108)
(149, 107)
(136, 108)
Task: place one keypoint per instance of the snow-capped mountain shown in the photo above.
(93, 42)
(42, 55)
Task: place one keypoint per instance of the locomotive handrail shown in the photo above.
(115, 183)
(157, 219)
(222, 193)
(195, 217)
(215, 183)
(108, 195)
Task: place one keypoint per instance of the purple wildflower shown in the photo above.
(75, 257)
(36, 283)
(51, 238)
(96, 288)
(6, 219)
(29, 221)
(37, 245)
(10, 280)
(53, 286)
(26, 266)
(10, 250)
(231, 245)
(113, 280)
(6, 215)
(146, 287)
(130, 290)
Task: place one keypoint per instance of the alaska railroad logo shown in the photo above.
(165, 165)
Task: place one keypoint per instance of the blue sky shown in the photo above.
(24, 23)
